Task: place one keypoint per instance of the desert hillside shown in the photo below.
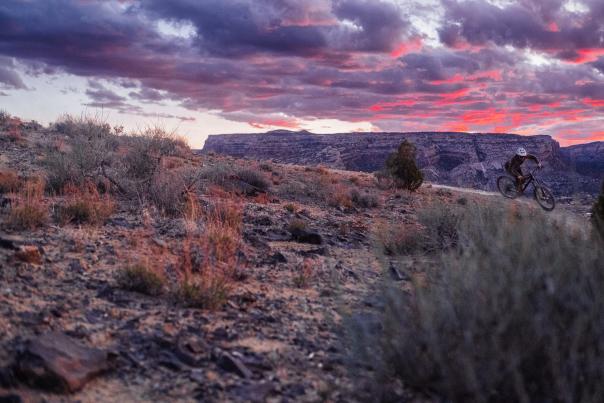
(472, 160)
(133, 269)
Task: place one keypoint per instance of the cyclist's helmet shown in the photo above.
(521, 152)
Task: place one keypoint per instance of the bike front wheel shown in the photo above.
(545, 198)
(507, 187)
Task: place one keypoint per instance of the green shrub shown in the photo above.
(402, 167)
(142, 279)
(513, 312)
(597, 212)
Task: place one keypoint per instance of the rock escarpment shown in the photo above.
(460, 159)
(586, 159)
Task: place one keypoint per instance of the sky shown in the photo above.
(234, 66)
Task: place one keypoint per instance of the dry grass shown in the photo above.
(9, 181)
(210, 262)
(85, 205)
(304, 273)
(338, 195)
(28, 210)
(296, 225)
(141, 278)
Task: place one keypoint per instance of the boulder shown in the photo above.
(56, 362)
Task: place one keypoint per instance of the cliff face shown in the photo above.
(587, 159)
(461, 159)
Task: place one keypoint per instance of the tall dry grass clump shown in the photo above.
(27, 207)
(514, 311)
(210, 259)
(9, 181)
(85, 205)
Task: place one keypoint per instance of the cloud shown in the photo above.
(278, 63)
(9, 78)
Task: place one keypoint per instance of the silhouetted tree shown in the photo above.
(598, 212)
(402, 167)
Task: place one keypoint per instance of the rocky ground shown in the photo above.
(68, 332)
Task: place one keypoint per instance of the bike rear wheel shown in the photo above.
(545, 198)
(507, 187)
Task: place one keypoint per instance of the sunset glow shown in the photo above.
(215, 66)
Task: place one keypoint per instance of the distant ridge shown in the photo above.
(452, 158)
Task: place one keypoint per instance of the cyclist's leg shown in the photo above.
(517, 174)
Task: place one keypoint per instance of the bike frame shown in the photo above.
(530, 178)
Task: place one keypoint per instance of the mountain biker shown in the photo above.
(513, 166)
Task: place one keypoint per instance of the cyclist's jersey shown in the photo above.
(513, 166)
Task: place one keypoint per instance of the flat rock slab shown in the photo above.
(56, 362)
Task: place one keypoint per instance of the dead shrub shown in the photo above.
(9, 182)
(290, 207)
(363, 200)
(142, 279)
(252, 182)
(171, 191)
(339, 196)
(28, 210)
(296, 225)
(304, 273)
(440, 223)
(400, 239)
(85, 205)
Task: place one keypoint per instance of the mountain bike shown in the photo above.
(544, 196)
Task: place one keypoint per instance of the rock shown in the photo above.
(29, 254)
(231, 364)
(78, 265)
(159, 242)
(10, 241)
(56, 362)
(191, 350)
(275, 258)
(396, 274)
(305, 236)
(264, 221)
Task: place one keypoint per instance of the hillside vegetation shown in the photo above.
(133, 269)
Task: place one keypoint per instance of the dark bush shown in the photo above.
(403, 169)
(513, 313)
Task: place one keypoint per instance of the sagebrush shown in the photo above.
(512, 312)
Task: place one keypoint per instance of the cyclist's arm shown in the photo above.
(535, 159)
